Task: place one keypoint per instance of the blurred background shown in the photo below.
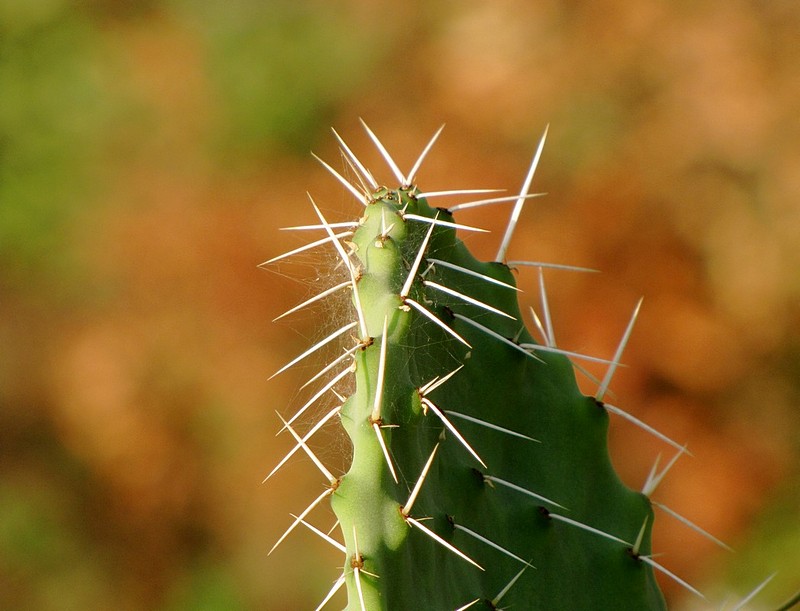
(150, 150)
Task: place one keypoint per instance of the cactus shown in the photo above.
(480, 475)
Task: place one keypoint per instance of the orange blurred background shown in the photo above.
(150, 151)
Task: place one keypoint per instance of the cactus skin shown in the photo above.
(577, 540)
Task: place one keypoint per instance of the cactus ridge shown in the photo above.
(480, 473)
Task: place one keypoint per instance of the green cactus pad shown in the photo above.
(480, 475)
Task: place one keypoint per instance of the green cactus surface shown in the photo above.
(480, 474)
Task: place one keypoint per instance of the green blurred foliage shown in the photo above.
(53, 111)
(207, 587)
(281, 69)
(48, 558)
(769, 549)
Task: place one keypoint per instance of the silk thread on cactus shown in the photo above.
(480, 474)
